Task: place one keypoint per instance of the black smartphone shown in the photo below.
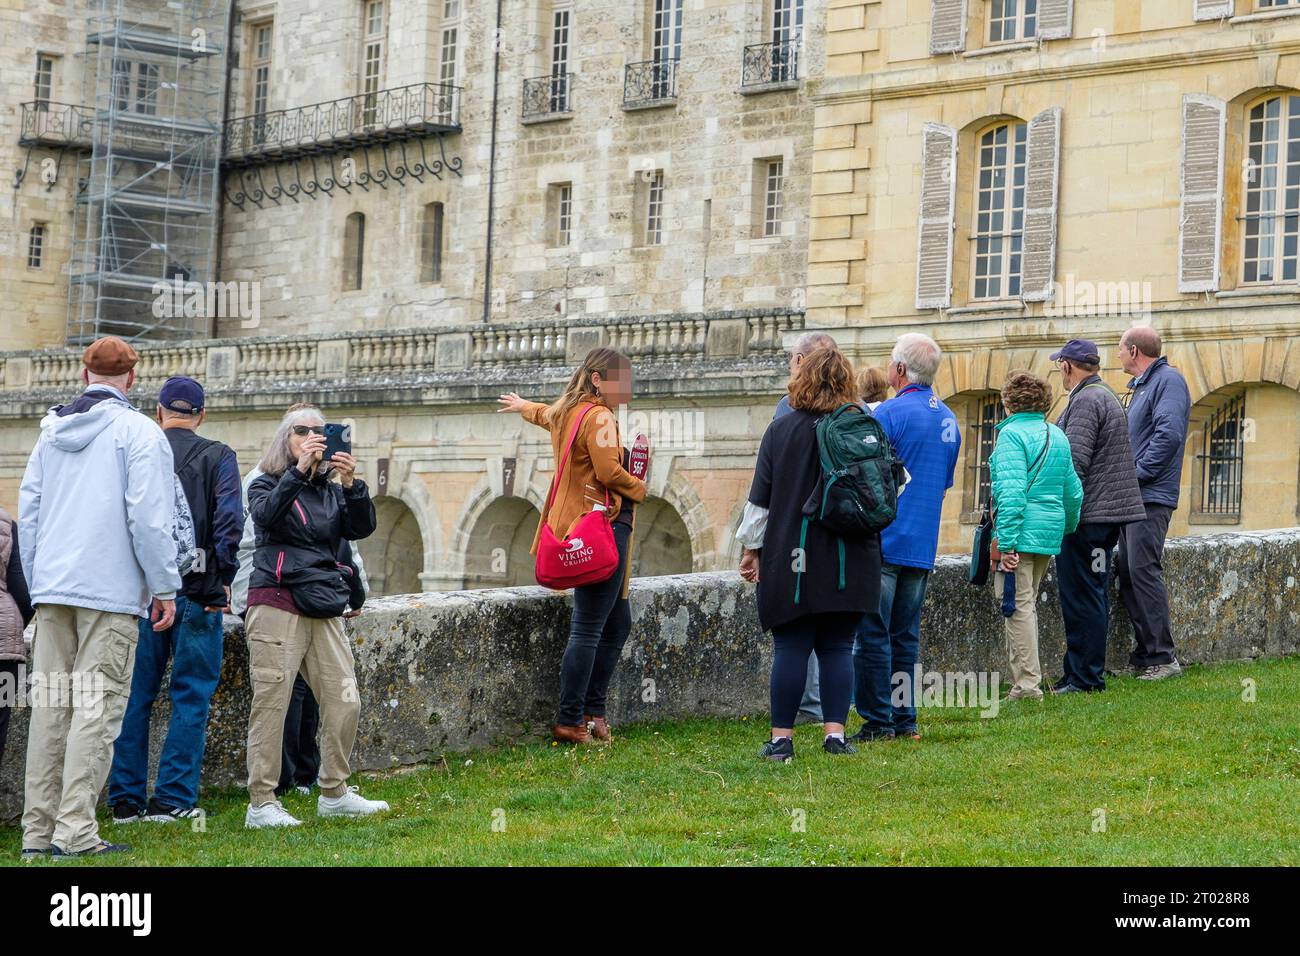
(337, 438)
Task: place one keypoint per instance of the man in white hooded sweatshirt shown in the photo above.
(96, 517)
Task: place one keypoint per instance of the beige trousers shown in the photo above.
(280, 645)
(82, 662)
(1022, 626)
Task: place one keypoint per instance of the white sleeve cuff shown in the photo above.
(753, 526)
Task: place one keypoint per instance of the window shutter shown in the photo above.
(1211, 9)
(1200, 211)
(934, 234)
(1055, 19)
(947, 26)
(1043, 167)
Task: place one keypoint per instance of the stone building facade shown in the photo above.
(646, 165)
(1008, 184)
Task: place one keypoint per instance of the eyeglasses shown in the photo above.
(301, 430)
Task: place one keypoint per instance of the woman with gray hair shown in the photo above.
(297, 595)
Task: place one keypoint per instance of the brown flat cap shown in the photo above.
(109, 356)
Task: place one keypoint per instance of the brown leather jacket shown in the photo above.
(12, 647)
(595, 465)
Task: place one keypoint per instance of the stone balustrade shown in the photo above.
(412, 355)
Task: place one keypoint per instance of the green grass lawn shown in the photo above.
(1186, 771)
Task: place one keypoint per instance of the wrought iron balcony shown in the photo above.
(766, 64)
(404, 112)
(649, 83)
(546, 96)
(56, 124)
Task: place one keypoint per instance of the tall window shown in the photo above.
(431, 241)
(448, 53)
(43, 87)
(986, 412)
(1222, 460)
(654, 209)
(773, 187)
(260, 62)
(1272, 213)
(354, 250)
(374, 34)
(999, 212)
(36, 245)
(560, 213)
(787, 32)
(135, 86)
(560, 60)
(666, 39)
(1011, 20)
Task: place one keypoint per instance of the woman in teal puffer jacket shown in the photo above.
(1036, 500)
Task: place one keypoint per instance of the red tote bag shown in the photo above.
(588, 555)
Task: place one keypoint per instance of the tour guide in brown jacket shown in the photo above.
(601, 617)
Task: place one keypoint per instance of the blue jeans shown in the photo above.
(194, 643)
(888, 642)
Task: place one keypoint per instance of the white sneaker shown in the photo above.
(351, 804)
(269, 815)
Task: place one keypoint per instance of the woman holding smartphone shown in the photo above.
(594, 473)
(297, 596)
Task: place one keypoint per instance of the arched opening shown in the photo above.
(394, 554)
(662, 545)
(499, 544)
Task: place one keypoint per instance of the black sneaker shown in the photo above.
(159, 812)
(839, 748)
(127, 813)
(102, 847)
(30, 853)
(867, 735)
(780, 750)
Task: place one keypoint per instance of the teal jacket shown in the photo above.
(1033, 510)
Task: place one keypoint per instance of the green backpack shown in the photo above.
(857, 495)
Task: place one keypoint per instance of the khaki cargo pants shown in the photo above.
(82, 661)
(280, 645)
(1022, 626)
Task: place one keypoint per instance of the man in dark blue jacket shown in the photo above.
(1159, 405)
(209, 477)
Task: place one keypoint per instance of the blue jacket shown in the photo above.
(1034, 507)
(1158, 410)
(926, 438)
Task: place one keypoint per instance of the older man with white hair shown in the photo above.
(925, 436)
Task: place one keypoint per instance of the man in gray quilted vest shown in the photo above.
(1096, 425)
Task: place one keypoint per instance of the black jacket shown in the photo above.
(209, 476)
(1097, 427)
(787, 473)
(300, 525)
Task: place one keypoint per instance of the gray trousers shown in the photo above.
(811, 705)
(1142, 586)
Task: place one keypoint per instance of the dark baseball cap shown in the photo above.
(1078, 350)
(181, 394)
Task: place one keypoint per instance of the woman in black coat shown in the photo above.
(297, 595)
(800, 599)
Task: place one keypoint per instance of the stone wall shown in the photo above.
(452, 671)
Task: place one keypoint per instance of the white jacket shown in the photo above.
(96, 510)
(248, 544)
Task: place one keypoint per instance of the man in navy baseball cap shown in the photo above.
(181, 394)
(1078, 350)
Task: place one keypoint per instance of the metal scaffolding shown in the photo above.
(147, 207)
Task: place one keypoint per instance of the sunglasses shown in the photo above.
(301, 430)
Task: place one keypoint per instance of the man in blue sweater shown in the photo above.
(925, 436)
(1159, 405)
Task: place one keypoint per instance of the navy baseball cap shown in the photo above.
(181, 394)
(1078, 350)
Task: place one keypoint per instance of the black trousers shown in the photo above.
(1142, 586)
(597, 631)
(8, 686)
(830, 636)
(1082, 573)
(300, 753)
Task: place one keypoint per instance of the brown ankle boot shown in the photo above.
(599, 729)
(569, 734)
